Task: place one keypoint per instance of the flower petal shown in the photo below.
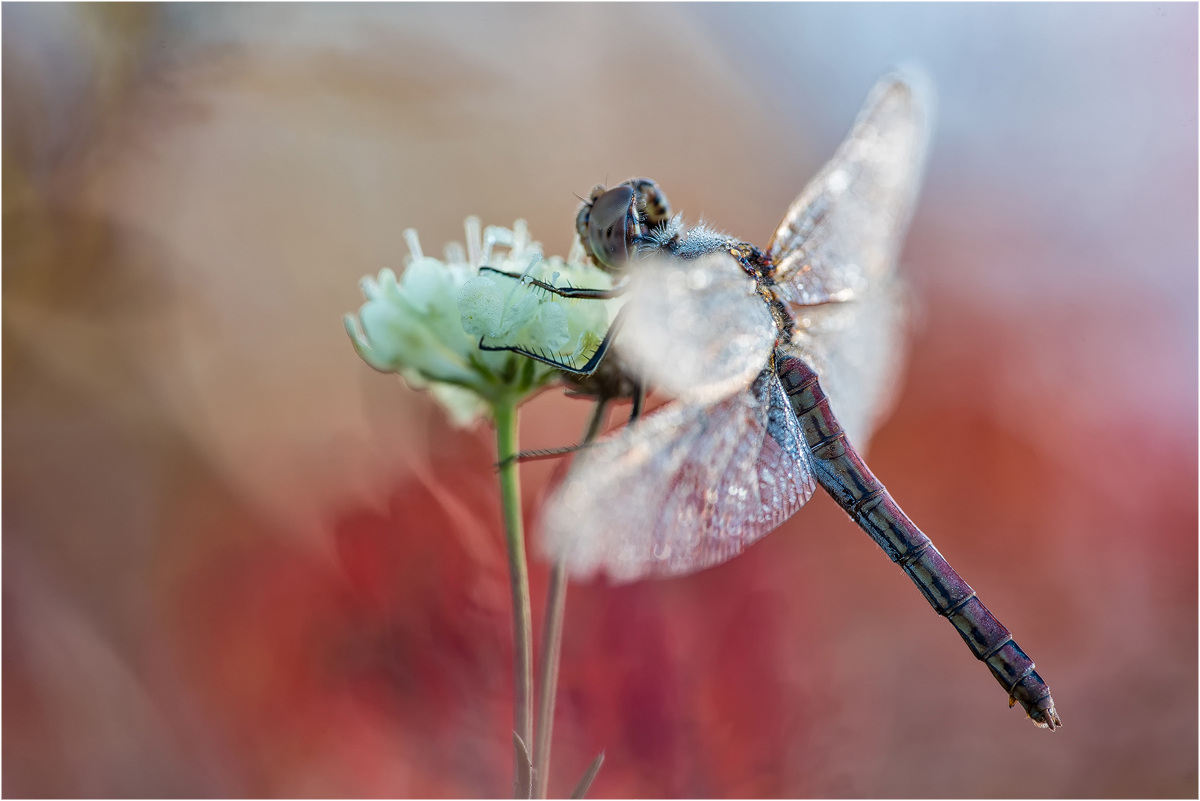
(518, 314)
(481, 304)
(426, 283)
(548, 331)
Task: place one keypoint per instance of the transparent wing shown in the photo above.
(696, 329)
(845, 229)
(857, 348)
(687, 487)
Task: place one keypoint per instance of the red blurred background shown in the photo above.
(238, 562)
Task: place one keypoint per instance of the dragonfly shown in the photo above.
(757, 349)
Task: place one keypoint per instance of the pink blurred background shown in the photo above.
(237, 562)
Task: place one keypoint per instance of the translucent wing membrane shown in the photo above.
(845, 229)
(857, 349)
(687, 487)
(696, 329)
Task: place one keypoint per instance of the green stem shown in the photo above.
(556, 602)
(505, 412)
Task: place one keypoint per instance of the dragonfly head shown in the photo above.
(612, 221)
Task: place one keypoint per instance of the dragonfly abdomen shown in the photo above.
(845, 476)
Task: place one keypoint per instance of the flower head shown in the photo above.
(427, 324)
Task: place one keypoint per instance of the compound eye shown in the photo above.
(608, 226)
(581, 222)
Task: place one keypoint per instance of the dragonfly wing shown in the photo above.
(696, 329)
(685, 488)
(857, 348)
(845, 229)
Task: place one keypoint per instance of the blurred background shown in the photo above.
(237, 562)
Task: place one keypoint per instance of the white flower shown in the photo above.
(427, 325)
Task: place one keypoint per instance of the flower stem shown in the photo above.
(556, 602)
(505, 412)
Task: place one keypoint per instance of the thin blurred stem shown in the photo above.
(589, 776)
(506, 415)
(523, 784)
(556, 602)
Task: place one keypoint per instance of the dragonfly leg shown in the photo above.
(570, 292)
(595, 423)
(538, 455)
(587, 368)
(844, 475)
(639, 400)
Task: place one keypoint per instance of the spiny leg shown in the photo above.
(599, 414)
(639, 400)
(538, 455)
(587, 368)
(572, 293)
(569, 292)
